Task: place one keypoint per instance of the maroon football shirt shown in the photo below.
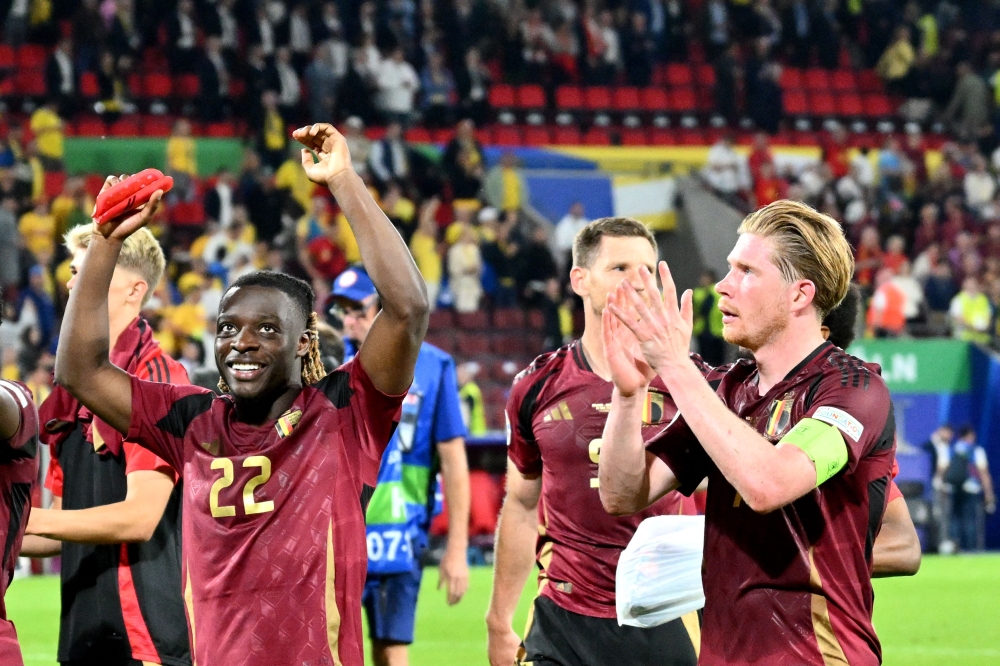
(555, 416)
(793, 587)
(18, 476)
(273, 535)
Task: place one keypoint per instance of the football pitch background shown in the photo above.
(948, 614)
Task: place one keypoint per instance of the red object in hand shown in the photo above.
(130, 194)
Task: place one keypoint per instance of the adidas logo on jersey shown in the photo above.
(559, 413)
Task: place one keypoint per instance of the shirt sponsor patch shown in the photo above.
(841, 419)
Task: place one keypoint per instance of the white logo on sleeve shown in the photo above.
(507, 419)
(841, 419)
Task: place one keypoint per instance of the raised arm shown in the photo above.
(82, 364)
(390, 349)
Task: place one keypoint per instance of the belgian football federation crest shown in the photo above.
(652, 411)
(286, 424)
(780, 417)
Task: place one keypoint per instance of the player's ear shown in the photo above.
(305, 340)
(577, 276)
(803, 294)
(138, 291)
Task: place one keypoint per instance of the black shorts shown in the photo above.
(558, 637)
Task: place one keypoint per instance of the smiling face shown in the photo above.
(261, 341)
(755, 299)
(617, 258)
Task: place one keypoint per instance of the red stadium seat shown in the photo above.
(626, 99)
(472, 321)
(125, 126)
(795, 103)
(507, 135)
(91, 126)
(690, 137)
(88, 85)
(186, 213)
(187, 86)
(157, 126)
(567, 136)
(634, 137)
(441, 320)
(878, 106)
(801, 138)
(501, 96)
(531, 97)
(597, 98)
(443, 340)
(597, 136)
(683, 100)
(662, 136)
(442, 136)
(869, 81)
(706, 76)
(537, 136)
(679, 75)
(536, 320)
(472, 345)
(220, 130)
(6, 57)
(569, 98)
(817, 78)
(508, 344)
(791, 78)
(485, 498)
(93, 183)
(706, 100)
(417, 135)
(157, 85)
(508, 318)
(54, 182)
(822, 104)
(135, 86)
(843, 80)
(31, 82)
(654, 99)
(31, 56)
(850, 104)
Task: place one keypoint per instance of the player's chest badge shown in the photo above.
(652, 410)
(780, 417)
(286, 424)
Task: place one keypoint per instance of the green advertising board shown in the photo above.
(937, 365)
(117, 155)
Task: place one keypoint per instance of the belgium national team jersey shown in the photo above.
(793, 587)
(555, 416)
(273, 541)
(18, 476)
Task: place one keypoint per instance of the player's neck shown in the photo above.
(117, 323)
(593, 345)
(266, 407)
(780, 356)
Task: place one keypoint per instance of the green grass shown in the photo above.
(949, 614)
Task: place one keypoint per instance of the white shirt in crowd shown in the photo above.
(979, 188)
(863, 170)
(185, 40)
(565, 233)
(299, 34)
(266, 36)
(66, 70)
(972, 485)
(726, 170)
(230, 29)
(397, 84)
(291, 90)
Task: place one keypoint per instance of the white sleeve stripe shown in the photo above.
(17, 391)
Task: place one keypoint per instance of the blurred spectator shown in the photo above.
(38, 230)
(36, 305)
(886, 311)
(499, 250)
(16, 25)
(292, 178)
(463, 161)
(220, 22)
(766, 106)
(125, 37)
(603, 48)
(565, 233)
(111, 86)
(321, 79)
(213, 77)
(896, 64)
(48, 127)
(219, 199)
(725, 170)
(717, 28)
(358, 144)
(504, 187)
(471, 397)
(980, 185)
(760, 155)
(261, 31)
(968, 112)
(970, 312)
(272, 135)
(10, 271)
(867, 257)
(533, 267)
(265, 204)
(324, 259)
(288, 85)
(565, 52)
(549, 302)
(424, 247)
(472, 82)
(300, 41)
(437, 87)
(182, 38)
(186, 320)
(769, 187)
(895, 254)
(355, 92)
(967, 477)
(397, 84)
(61, 78)
(537, 39)
(228, 246)
(88, 32)
(389, 158)
(707, 327)
(464, 267)
(639, 51)
(182, 161)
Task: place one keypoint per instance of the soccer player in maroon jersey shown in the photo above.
(798, 451)
(277, 473)
(553, 514)
(116, 516)
(18, 476)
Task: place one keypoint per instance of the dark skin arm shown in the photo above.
(390, 350)
(10, 415)
(897, 548)
(82, 364)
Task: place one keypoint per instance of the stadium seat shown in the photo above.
(537, 136)
(850, 105)
(679, 75)
(878, 105)
(135, 86)
(530, 97)
(472, 321)
(91, 126)
(536, 320)
(822, 104)
(186, 213)
(483, 135)
(472, 345)
(157, 126)
(417, 135)
(803, 138)
(706, 101)
(869, 81)
(816, 78)
(187, 86)
(7, 60)
(634, 137)
(125, 126)
(54, 183)
(597, 136)
(486, 493)
(626, 99)
(843, 80)
(795, 103)
(31, 83)
(508, 345)
(597, 98)
(654, 99)
(220, 130)
(683, 100)
(31, 56)
(508, 319)
(507, 135)
(569, 98)
(567, 136)
(442, 136)
(706, 76)
(88, 85)
(443, 340)
(501, 96)
(157, 86)
(690, 137)
(441, 320)
(93, 183)
(791, 78)
(662, 136)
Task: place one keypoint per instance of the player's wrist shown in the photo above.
(498, 625)
(340, 180)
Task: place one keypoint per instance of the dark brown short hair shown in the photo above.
(589, 238)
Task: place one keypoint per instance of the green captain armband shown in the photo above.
(824, 445)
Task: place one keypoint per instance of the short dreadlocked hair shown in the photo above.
(302, 294)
